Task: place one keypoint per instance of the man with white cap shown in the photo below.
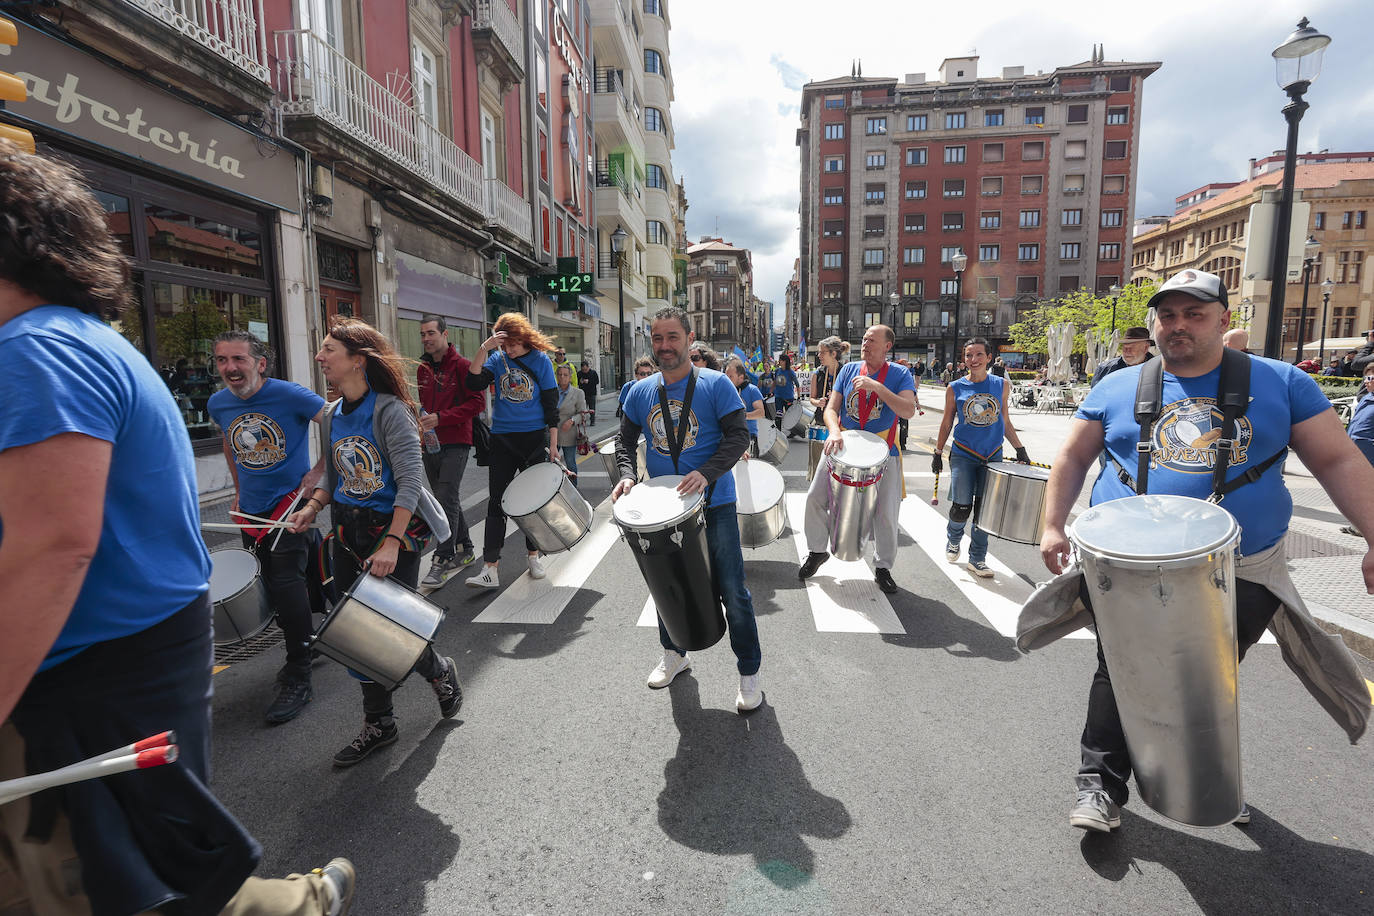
(1285, 408)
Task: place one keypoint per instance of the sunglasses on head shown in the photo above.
(698, 358)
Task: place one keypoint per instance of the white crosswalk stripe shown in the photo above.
(843, 596)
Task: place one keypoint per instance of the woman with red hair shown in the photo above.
(524, 423)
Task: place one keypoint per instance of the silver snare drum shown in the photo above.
(758, 500)
(772, 446)
(379, 628)
(546, 506)
(1012, 506)
(796, 418)
(1161, 574)
(239, 595)
(607, 453)
(855, 473)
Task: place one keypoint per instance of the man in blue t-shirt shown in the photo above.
(750, 395)
(715, 437)
(1286, 409)
(265, 424)
(870, 394)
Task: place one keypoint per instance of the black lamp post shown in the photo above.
(618, 245)
(958, 262)
(1115, 292)
(1299, 62)
(896, 301)
(1327, 286)
(1310, 252)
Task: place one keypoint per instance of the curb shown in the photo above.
(1358, 634)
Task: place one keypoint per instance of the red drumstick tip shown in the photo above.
(161, 740)
(156, 757)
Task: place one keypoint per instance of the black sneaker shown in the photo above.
(813, 563)
(448, 690)
(373, 736)
(292, 695)
(884, 579)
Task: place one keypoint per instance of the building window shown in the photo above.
(1120, 84)
(874, 193)
(948, 252)
(876, 126)
(1027, 252)
(1027, 286)
(1078, 114)
(951, 222)
(1348, 266)
(992, 187)
(1114, 149)
(1033, 150)
(948, 288)
(834, 163)
(990, 219)
(916, 155)
(1073, 184)
(992, 117)
(1319, 220)
(1070, 251)
(986, 285)
(875, 161)
(1032, 184)
(989, 252)
(834, 101)
(653, 119)
(914, 222)
(875, 226)
(954, 187)
(652, 8)
(656, 287)
(1068, 284)
(1071, 218)
(1118, 115)
(1359, 219)
(831, 291)
(873, 257)
(993, 152)
(655, 232)
(834, 131)
(832, 260)
(1109, 251)
(653, 61)
(1076, 149)
(912, 288)
(873, 290)
(913, 255)
(1113, 184)
(955, 120)
(954, 153)
(654, 177)
(1035, 116)
(915, 190)
(1030, 219)
(1346, 218)
(1111, 218)
(915, 122)
(832, 228)
(833, 196)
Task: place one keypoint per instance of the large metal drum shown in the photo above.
(772, 445)
(666, 532)
(797, 418)
(546, 506)
(1013, 503)
(758, 500)
(239, 596)
(1161, 574)
(379, 628)
(607, 453)
(854, 476)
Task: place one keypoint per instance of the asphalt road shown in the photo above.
(927, 768)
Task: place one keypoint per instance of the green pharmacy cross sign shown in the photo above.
(566, 286)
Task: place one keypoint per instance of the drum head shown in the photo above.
(862, 449)
(532, 488)
(768, 434)
(758, 486)
(1019, 470)
(655, 504)
(792, 416)
(1154, 528)
(608, 447)
(231, 569)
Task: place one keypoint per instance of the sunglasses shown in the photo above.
(698, 358)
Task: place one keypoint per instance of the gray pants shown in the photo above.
(445, 472)
(884, 531)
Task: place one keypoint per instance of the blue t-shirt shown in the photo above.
(749, 394)
(979, 425)
(785, 384)
(1361, 429)
(269, 435)
(364, 476)
(66, 371)
(1184, 440)
(518, 407)
(880, 416)
(715, 397)
(625, 391)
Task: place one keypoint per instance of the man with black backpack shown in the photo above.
(1199, 408)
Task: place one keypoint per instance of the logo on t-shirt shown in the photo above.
(660, 437)
(257, 441)
(852, 402)
(359, 466)
(516, 385)
(1185, 436)
(981, 410)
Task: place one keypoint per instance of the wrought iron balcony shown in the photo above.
(232, 29)
(508, 210)
(498, 39)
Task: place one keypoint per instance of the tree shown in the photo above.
(1085, 311)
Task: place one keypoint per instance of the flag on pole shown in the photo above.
(801, 349)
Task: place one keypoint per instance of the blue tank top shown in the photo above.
(978, 424)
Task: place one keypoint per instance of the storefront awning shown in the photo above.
(590, 307)
(428, 288)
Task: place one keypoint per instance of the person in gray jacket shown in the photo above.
(375, 479)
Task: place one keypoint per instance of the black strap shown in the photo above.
(528, 371)
(677, 437)
(1149, 393)
(1233, 396)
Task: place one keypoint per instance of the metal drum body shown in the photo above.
(239, 595)
(797, 418)
(758, 499)
(607, 453)
(1012, 506)
(379, 628)
(667, 535)
(546, 506)
(1161, 573)
(854, 476)
(815, 447)
(772, 445)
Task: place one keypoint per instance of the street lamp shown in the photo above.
(958, 262)
(896, 301)
(1115, 291)
(1310, 250)
(1298, 62)
(1327, 286)
(618, 245)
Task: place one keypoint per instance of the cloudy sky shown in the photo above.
(739, 66)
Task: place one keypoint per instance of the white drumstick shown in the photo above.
(231, 526)
(96, 768)
(253, 518)
(164, 739)
(289, 509)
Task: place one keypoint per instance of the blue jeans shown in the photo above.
(968, 476)
(570, 459)
(727, 571)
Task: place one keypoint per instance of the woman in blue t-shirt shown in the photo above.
(524, 425)
(976, 410)
(374, 476)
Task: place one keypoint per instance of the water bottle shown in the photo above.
(430, 436)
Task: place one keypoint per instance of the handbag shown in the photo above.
(481, 442)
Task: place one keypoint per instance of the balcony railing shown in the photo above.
(230, 28)
(494, 18)
(611, 176)
(316, 80)
(508, 210)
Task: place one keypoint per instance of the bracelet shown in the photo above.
(399, 539)
(319, 506)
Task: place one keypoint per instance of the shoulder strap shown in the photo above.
(1149, 392)
(1233, 397)
(528, 371)
(677, 436)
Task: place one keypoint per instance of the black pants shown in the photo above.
(284, 570)
(1104, 741)
(354, 546)
(511, 453)
(780, 408)
(445, 472)
(901, 432)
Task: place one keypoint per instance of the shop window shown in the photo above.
(191, 241)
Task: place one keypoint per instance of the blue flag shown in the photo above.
(801, 349)
(744, 357)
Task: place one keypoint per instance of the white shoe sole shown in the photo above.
(980, 573)
(654, 685)
(742, 706)
(1094, 822)
(482, 583)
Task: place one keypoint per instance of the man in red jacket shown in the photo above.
(449, 408)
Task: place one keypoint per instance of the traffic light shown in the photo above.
(12, 89)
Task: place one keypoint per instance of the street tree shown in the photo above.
(1086, 311)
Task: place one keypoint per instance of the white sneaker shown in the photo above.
(670, 667)
(536, 561)
(750, 694)
(487, 578)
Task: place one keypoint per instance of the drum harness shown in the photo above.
(677, 436)
(1233, 397)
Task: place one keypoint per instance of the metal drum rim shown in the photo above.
(696, 505)
(1013, 469)
(536, 468)
(1227, 541)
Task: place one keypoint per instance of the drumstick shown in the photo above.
(902, 471)
(165, 739)
(935, 497)
(254, 518)
(14, 789)
(289, 509)
(231, 526)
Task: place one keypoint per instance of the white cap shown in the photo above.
(1197, 283)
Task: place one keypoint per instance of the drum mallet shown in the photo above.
(935, 497)
(150, 752)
